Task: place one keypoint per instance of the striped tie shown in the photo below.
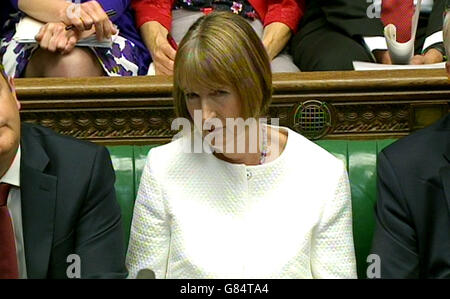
(399, 13)
(8, 258)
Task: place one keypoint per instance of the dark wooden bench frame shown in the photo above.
(139, 110)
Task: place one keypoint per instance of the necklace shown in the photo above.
(264, 146)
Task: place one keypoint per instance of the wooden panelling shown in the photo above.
(363, 105)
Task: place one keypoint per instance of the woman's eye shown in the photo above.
(191, 96)
(220, 93)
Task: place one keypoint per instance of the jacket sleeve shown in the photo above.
(288, 12)
(150, 230)
(15, 3)
(153, 10)
(99, 232)
(436, 20)
(395, 239)
(332, 248)
(352, 17)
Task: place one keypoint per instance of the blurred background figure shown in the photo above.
(56, 53)
(281, 210)
(333, 34)
(274, 21)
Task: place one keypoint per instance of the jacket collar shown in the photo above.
(444, 172)
(445, 176)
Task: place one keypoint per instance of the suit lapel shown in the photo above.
(38, 196)
(445, 175)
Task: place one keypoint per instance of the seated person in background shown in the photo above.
(262, 203)
(57, 198)
(335, 33)
(56, 54)
(274, 22)
(412, 235)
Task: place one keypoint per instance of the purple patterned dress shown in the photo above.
(128, 56)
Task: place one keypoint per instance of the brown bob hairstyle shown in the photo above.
(222, 49)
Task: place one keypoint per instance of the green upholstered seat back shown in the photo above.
(358, 156)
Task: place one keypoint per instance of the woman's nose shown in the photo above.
(208, 111)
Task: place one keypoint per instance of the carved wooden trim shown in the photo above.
(364, 105)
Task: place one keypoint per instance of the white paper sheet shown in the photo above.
(28, 28)
(367, 66)
(151, 70)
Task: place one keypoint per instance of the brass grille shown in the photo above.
(312, 119)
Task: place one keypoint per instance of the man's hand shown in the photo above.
(431, 56)
(275, 37)
(163, 55)
(86, 15)
(382, 56)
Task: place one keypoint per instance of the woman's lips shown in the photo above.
(214, 129)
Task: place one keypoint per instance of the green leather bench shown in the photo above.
(359, 157)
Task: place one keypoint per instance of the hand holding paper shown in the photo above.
(28, 28)
(54, 38)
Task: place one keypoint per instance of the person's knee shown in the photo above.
(338, 58)
(78, 63)
(283, 63)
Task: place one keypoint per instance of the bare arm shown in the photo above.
(83, 16)
(275, 37)
(45, 10)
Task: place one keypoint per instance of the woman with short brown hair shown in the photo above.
(276, 207)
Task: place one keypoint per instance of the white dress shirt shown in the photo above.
(197, 216)
(379, 43)
(12, 177)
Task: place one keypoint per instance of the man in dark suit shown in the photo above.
(58, 213)
(412, 235)
(335, 33)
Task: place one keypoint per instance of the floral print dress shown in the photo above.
(122, 59)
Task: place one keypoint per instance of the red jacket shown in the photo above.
(288, 12)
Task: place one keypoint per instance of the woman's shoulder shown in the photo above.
(169, 150)
(308, 153)
(173, 154)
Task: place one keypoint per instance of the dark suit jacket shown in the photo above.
(69, 206)
(350, 16)
(412, 235)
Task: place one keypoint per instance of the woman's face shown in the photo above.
(213, 107)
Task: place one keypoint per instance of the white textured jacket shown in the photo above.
(197, 216)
